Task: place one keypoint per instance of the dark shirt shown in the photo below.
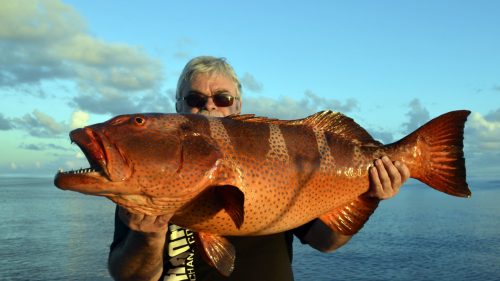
(262, 258)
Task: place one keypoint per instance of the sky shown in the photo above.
(390, 65)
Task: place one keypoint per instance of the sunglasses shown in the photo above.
(199, 100)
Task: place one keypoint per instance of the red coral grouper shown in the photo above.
(245, 175)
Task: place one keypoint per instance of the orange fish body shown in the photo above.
(246, 175)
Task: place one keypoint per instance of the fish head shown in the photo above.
(139, 159)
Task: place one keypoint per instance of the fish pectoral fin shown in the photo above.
(232, 199)
(217, 252)
(350, 218)
(198, 155)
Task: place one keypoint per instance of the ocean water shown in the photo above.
(422, 234)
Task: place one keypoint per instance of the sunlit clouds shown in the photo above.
(285, 107)
(40, 124)
(79, 119)
(66, 65)
(486, 133)
(49, 41)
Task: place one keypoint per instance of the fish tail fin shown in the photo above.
(434, 153)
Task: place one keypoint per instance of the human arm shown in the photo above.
(137, 249)
(386, 179)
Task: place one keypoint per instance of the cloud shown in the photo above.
(79, 119)
(181, 55)
(28, 30)
(5, 124)
(159, 102)
(183, 45)
(417, 115)
(483, 133)
(249, 82)
(49, 41)
(39, 124)
(481, 138)
(493, 115)
(163, 102)
(286, 107)
(482, 144)
(42, 147)
(383, 136)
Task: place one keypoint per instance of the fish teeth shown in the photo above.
(79, 171)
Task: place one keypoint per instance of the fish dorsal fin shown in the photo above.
(350, 218)
(339, 125)
(251, 118)
(217, 251)
(334, 123)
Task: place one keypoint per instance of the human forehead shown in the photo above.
(210, 84)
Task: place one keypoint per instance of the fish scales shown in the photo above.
(246, 175)
(307, 181)
(246, 149)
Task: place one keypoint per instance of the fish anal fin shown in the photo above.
(217, 252)
(232, 200)
(350, 218)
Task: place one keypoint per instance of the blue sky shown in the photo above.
(391, 65)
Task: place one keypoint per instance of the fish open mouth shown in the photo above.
(93, 146)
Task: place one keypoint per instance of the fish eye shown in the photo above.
(139, 120)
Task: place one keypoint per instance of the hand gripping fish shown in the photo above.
(245, 175)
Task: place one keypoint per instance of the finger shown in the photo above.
(376, 189)
(403, 170)
(134, 220)
(393, 172)
(148, 220)
(162, 220)
(383, 175)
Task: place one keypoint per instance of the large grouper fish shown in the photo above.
(245, 175)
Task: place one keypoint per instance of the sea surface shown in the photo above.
(421, 234)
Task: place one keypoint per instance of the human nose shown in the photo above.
(210, 105)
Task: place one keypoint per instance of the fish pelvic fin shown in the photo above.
(217, 251)
(434, 153)
(350, 218)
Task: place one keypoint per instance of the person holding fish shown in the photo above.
(149, 248)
